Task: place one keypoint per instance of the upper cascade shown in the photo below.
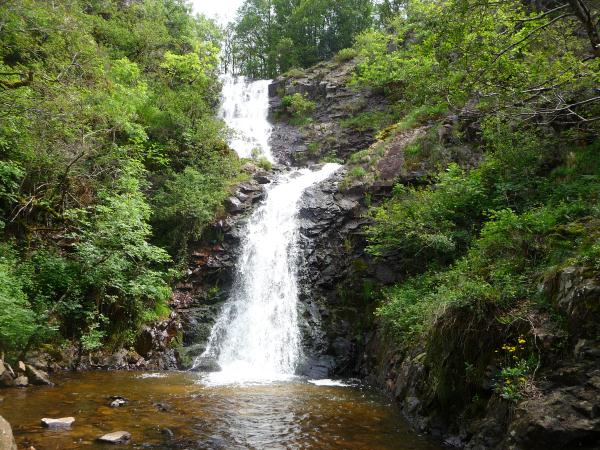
(245, 109)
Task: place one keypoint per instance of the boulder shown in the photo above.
(6, 379)
(21, 367)
(117, 437)
(38, 377)
(21, 381)
(7, 440)
(58, 424)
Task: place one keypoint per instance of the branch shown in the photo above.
(531, 33)
(17, 84)
(541, 16)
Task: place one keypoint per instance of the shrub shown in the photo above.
(264, 163)
(346, 54)
(298, 105)
(18, 322)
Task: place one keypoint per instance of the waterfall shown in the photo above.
(256, 336)
(245, 109)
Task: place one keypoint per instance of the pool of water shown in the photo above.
(179, 411)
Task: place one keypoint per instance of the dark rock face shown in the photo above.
(335, 277)
(327, 85)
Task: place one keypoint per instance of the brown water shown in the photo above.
(290, 415)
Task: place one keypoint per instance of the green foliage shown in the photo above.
(272, 37)
(109, 152)
(345, 54)
(500, 56)
(264, 163)
(478, 256)
(431, 224)
(18, 323)
(369, 121)
(298, 106)
(186, 205)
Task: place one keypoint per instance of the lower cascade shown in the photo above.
(256, 337)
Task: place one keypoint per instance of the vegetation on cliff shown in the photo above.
(516, 84)
(107, 125)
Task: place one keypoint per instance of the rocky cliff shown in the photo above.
(328, 133)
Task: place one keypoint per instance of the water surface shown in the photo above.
(178, 411)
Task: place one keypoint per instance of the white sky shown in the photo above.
(222, 10)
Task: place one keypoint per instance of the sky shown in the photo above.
(222, 10)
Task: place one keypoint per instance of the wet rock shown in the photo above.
(168, 433)
(234, 205)
(38, 377)
(117, 401)
(262, 179)
(21, 381)
(162, 407)
(116, 438)
(575, 291)
(58, 424)
(7, 440)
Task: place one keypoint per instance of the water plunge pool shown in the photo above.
(178, 411)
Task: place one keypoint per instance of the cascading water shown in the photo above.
(256, 337)
(245, 109)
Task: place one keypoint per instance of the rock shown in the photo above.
(38, 377)
(7, 440)
(6, 379)
(234, 205)
(21, 381)
(21, 367)
(58, 424)
(117, 437)
(262, 179)
(162, 407)
(168, 433)
(118, 401)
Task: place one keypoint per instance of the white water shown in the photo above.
(256, 338)
(245, 109)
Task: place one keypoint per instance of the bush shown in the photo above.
(264, 163)
(428, 223)
(298, 105)
(18, 322)
(346, 54)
